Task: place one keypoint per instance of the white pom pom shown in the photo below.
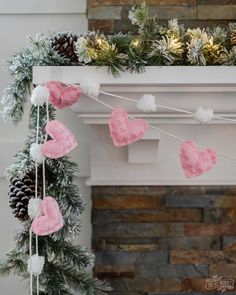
(147, 103)
(39, 95)
(90, 88)
(34, 207)
(204, 115)
(36, 152)
(36, 264)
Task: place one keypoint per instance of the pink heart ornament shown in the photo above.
(124, 131)
(62, 96)
(63, 141)
(50, 220)
(196, 162)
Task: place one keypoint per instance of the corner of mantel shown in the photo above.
(154, 160)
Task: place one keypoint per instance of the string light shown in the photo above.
(135, 43)
(99, 41)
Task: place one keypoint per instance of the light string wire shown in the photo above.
(150, 125)
(36, 196)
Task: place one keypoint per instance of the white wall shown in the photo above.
(19, 19)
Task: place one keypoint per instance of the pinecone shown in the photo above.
(64, 44)
(20, 192)
(233, 38)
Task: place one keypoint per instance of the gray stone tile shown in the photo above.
(228, 240)
(172, 271)
(137, 230)
(226, 12)
(105, 12)
(190, 201)
(190, 243)
(122, 257)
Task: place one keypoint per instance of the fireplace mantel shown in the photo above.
(154, 160)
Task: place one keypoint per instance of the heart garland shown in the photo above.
(124, 131)
(62, 96)
(196, 162)
(63, 141)
(46, 215)
(49, 220)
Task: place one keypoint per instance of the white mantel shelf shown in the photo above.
(154, 160)
(172, 75)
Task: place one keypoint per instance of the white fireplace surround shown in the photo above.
(154, 160)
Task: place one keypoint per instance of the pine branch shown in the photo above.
(81, 281)
(121, 41)
(109, 56)
(136, 57)
(167, 51)
(15, 263)
(66, 254)
(16, 95)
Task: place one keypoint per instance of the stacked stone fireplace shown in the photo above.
(154, 231)
(164, 239)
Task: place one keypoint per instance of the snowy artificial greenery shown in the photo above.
(139, 15)
(16, 95)
(167, 50)
(67, 266)
(81, 49)
(155, 44)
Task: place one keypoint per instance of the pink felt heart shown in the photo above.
(62, 96)
(63, 141)
(123, 131)
(196, 162)
(50, 220)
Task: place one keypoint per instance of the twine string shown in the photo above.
(152, 126)
(45, 139)
(36, 196)
(164, 106)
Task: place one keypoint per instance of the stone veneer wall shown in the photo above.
(111, 15)
(164, 240)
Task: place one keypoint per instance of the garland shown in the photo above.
(67, 266)
(154, 45)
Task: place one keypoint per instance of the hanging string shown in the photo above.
(174, 136)
(152, 126)
(30, 261)
(44, 185)
(224, 118)
(45, 139)
(47, 113)
(157, 105)
(164, 106)
(36, 191)
(36, 196)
